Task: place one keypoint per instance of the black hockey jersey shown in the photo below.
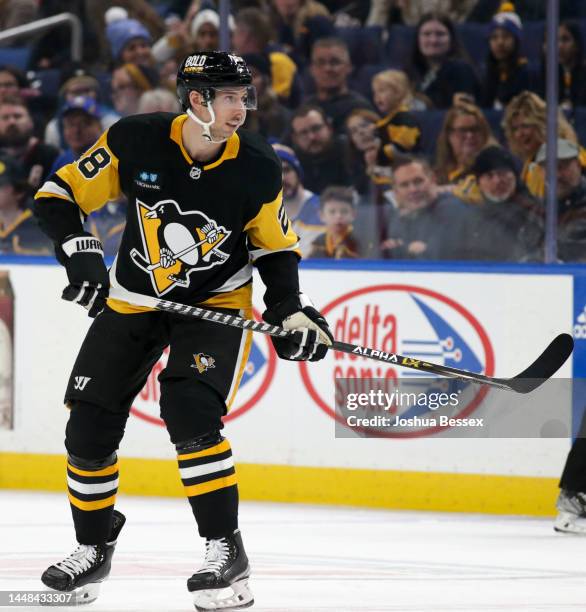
(193, 229)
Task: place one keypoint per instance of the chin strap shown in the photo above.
(206, 125)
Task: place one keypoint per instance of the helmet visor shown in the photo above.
(237, 97)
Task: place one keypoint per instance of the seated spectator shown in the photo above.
(130, 41)
(302, 205)
(507, 72)
(508, 226)
(465, 132)
(386, 12)
(129, 82)
(398, 130)
(525, 128)
(438, 68)
(572, 67)
(571, 194)
(12, 82)
(320, 152)
(158, 101)
(363, 147)
(297, 22)
(330, 69)
(81, 84)
(252, 34)
(426, 224)
(19, 232)
(81, 128)
(337, 212)
(271, 118)
(17, 141)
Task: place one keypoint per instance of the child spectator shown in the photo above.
(19, 232)
(398, 130)
(130, 41)
(438, 68)
(525, 128)
(465, 132)
(337, 212)
(507, 72)
(572, 67)
(302, 205)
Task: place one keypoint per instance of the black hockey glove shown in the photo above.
(83, 258)
(297, 313)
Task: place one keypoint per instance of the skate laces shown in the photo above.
(217, 553)
(79, 560)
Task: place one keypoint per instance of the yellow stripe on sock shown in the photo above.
(107, 471)
(214, 450)
(212, 485)
(92, 505)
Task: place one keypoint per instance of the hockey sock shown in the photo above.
(209, 479)
(92, 487)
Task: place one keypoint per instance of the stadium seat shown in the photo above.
(474, 39)
(580, 123)
(15, 56)
(532, 40)
(47, 82)
(400, 44)
(431, 122)
(365, 44)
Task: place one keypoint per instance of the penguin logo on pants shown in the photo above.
(176, 244)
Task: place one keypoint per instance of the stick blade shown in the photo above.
(545, 366)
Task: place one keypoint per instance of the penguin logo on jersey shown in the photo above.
(176, 244)
(203, 362)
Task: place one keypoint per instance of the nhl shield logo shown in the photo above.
(203, 362)
(176, 243)
(195, 172)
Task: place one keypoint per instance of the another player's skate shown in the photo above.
(86, 567)
(222, 582)
(571, 516)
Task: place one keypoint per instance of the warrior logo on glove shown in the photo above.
(176, 244)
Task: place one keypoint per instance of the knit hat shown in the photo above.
(208, 16)
(287, 154)
(120, 30)
(507, 19)
(494, 158)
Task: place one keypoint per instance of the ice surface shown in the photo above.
(314, 559)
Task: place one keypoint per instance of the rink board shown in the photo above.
(281, 426)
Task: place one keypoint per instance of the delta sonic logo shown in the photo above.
(256, 380)
(416, 322)
(176, 244)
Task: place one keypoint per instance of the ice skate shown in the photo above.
(571, 516)
(86, 567)
(222, 581)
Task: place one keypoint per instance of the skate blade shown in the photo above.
(235, 597)
(80, 596)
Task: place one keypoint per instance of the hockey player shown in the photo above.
(204, 205)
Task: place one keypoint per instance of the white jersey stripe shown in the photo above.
(88, 489)
(206, 468)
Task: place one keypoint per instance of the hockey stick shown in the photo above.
(544, 367)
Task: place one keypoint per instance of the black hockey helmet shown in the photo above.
(207, 70)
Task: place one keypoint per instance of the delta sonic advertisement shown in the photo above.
(493, 324)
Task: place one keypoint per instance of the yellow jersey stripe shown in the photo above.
(107, 471)
(212, 485)
(214, 450)
(92, 505)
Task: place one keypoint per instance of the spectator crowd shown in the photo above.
(406, 129)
